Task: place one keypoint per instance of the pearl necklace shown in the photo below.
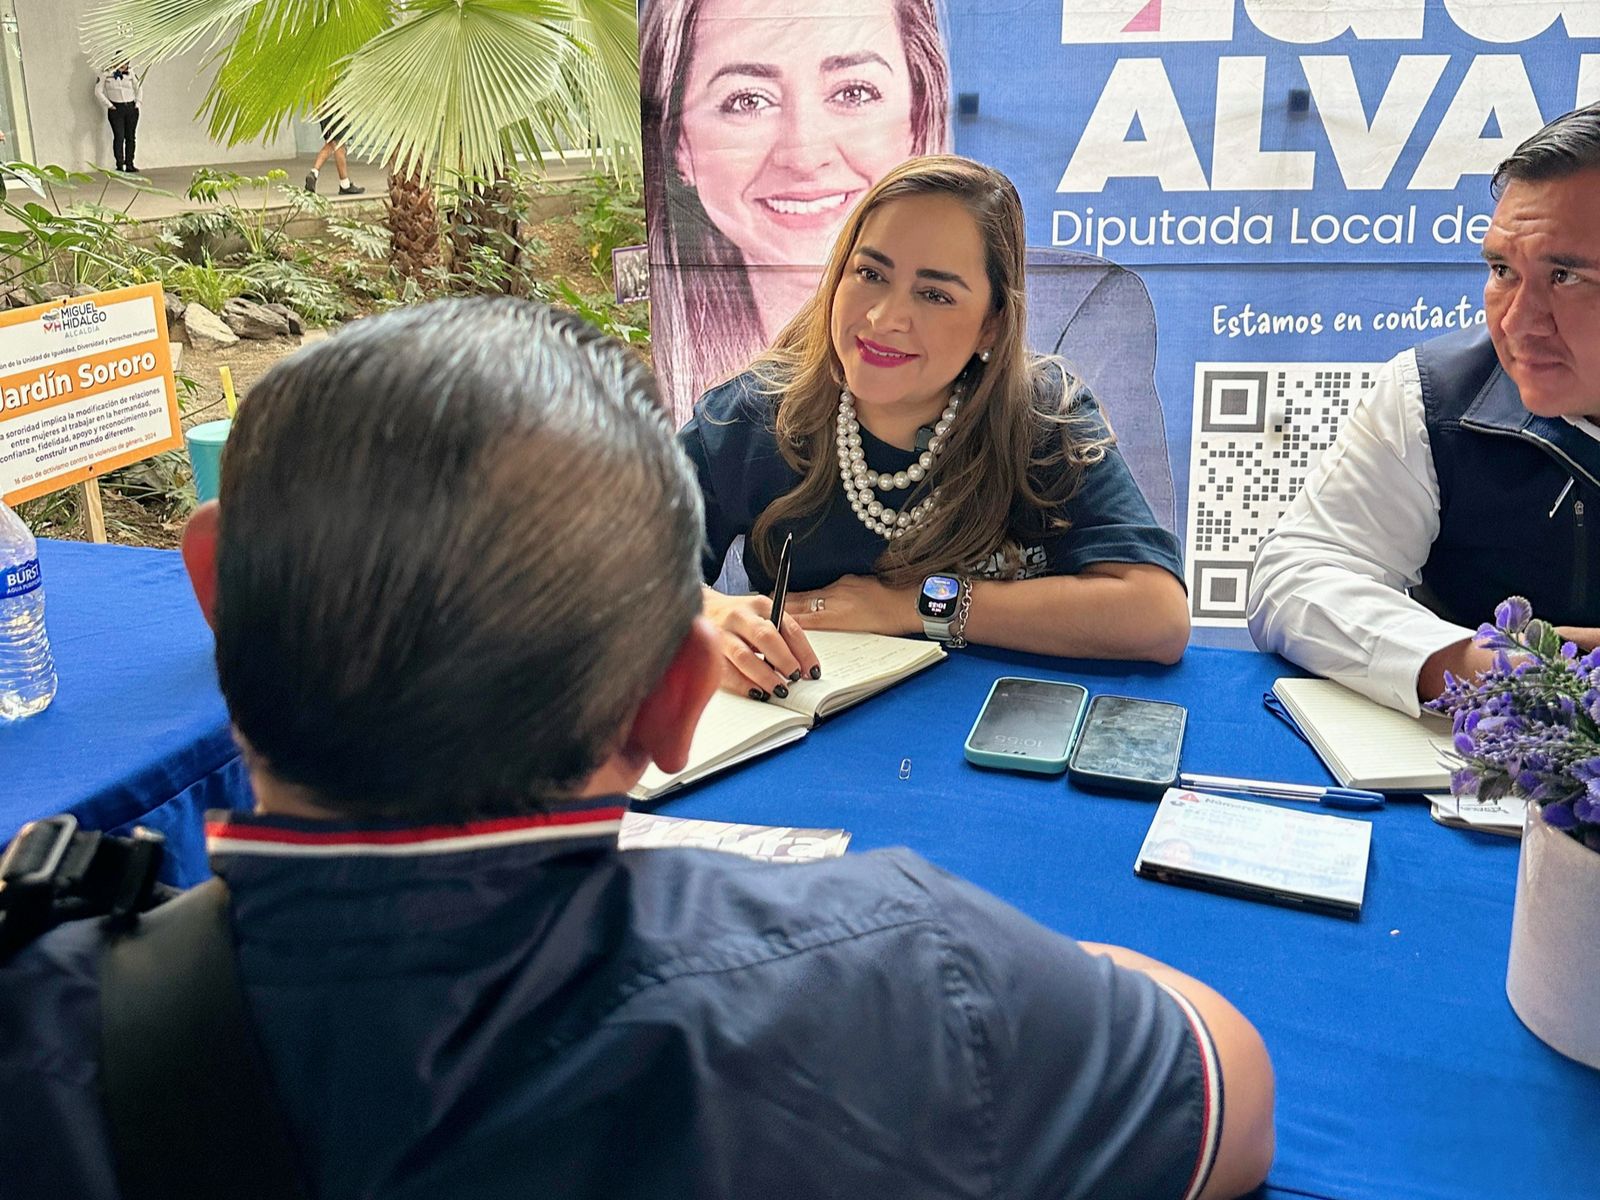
(859, 479)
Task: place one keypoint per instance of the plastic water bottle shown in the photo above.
(27, 671)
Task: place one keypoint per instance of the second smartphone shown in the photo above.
(1027, 725)
(1129, 745)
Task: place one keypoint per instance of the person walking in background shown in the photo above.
(118, 91)
(333, 135)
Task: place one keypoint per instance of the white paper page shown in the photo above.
(769, 843)
(731, 729)
(1364, 743)
(1498, 816)
(857, 663)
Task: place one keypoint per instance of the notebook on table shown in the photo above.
(736, 728)
(1363, 743)
(1259, 851)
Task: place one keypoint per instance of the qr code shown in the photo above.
(1259, 428)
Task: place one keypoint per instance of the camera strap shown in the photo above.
(192, 1109)
(190, 1105)
(54, 872)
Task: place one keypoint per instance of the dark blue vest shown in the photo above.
(1509, 523)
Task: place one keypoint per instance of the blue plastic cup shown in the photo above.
(205, 456)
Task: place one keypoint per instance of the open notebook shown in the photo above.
(734, 728)
(1363, 743)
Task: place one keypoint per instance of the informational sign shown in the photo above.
(1235, 209)
(86, 386)
(630, 271)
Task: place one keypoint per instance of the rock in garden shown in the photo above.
(83, 289)
(251, 320)
(52, 291)
(206, 328)
(212, 246)
(174, 308)
(297, 323)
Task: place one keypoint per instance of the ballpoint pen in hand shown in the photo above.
(780, 589)
(1351, 799)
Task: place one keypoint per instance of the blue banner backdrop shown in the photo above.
(1289, 192)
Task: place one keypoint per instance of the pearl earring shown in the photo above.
(983, 356)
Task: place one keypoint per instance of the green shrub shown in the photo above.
(610, 215)
(204, 283)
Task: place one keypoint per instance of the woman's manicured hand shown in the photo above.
(759, 660)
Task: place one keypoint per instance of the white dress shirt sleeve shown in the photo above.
(100, 92)
(1328, 589)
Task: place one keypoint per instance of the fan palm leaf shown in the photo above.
(427, 85)
(439, 88)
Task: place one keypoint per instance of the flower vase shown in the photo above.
(1553, 979)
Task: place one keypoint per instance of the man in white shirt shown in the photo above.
(119, 92)
(1470, 470)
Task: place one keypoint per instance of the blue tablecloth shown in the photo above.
(1402, 1072)
(137, 732)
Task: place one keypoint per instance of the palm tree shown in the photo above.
(436, 88)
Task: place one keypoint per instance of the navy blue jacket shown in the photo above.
(517, 1009)
(730, 440)
(1501, 472)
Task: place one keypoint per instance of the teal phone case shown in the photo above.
(1019, 760)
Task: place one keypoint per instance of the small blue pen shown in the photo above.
(1349, 799)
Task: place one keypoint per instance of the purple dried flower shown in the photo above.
(1531, 725)
(1491, 638)
(1513, 614)
(1560, 815)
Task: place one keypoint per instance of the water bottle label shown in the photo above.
(19, 580)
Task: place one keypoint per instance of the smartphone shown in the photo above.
(1027, 725)
(1129, 745)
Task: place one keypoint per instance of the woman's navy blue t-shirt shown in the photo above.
(730, 440)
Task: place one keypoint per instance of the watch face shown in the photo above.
(937, 600)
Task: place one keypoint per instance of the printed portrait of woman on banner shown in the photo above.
(764, 123)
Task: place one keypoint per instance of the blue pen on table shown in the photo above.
(1350, 799)
(780, 589)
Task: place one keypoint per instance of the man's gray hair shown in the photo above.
(459, 545)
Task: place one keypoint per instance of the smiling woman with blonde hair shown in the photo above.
(764, 123)
(899, 430)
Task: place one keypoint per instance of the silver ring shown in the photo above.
(818, 603)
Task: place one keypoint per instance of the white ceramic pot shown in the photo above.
(1553, 980)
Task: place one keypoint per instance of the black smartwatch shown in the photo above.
(941, 604)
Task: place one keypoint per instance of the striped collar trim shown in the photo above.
(244, 834)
